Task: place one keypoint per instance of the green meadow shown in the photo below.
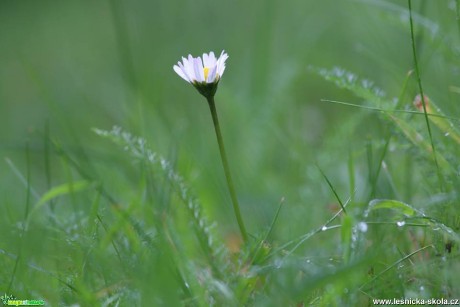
(341, 124)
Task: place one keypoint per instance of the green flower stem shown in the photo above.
(223, 155)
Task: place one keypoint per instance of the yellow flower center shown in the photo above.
(206, 72)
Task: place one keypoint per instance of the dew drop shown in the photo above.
(278, 263)
(362, 226)
(324, 228)
(400, 223)
(446, 134)
(384, 165)
(354, 237)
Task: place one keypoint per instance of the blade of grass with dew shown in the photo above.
(406, 214)
(437, 225)
(404, 208)
(394, 265)
(347, 275)
(310, 234)
(332, 189)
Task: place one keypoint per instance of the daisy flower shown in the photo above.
(203, 73)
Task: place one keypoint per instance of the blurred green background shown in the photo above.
(69, 66)
(97, 64)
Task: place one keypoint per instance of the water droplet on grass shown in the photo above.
(362, 226)
(324, 228)
(400, 223)
(277, 264)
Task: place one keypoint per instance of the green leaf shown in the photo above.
(392, 204)
(62, 189)
(59, 190)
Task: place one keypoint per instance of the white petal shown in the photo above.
(184, 70)
(184, 61)
(184, 67)
(221, 71)
(212, 74)
(221, 63)
(223, 57)
(212, 59)
(199, 73)
(190, 68)
(206, 60)
(179, 71)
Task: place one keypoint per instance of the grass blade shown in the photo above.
(419, 82)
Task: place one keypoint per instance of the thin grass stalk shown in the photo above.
(419, 82)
